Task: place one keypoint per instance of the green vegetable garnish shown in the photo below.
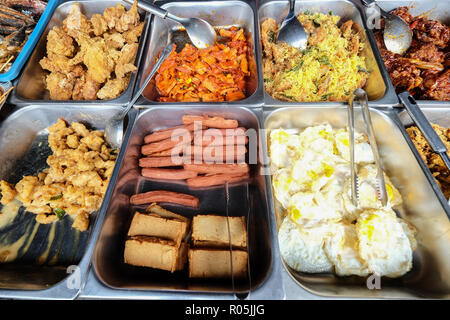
(297, 67)
(271, 36)
(330, 13)
(324, 60)
(60, 213)
(326, 96)
(59, 196)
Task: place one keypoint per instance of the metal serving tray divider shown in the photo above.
(434, 9)
(241, 13)
(23, 128)
(30, 86)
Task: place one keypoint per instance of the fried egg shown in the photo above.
(302, 249)
(383, 243)
(342, 249)
(363, 151)
(283, 147)
(319, 234)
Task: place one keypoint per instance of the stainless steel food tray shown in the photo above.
(241, 13)
(434, 9)
(378, 87)
(112, 278)
(439, 115)
(30, 86)
(52, 260)
(429, 277)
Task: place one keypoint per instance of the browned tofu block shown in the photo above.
(144, 251)
(212, 231)
(210, 263)
(150, 224)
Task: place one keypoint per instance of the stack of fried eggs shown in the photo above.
(322, 231)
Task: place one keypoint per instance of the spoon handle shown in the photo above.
(291, 5)
(150, 8)
(164, 54)
(157, 11)
(370, 3)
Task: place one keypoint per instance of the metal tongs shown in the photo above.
(361, 96)
(425, 127)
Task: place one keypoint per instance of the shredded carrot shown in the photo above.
(217, 73)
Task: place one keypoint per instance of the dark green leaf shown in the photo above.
(59, 196)
(271, 36)
(60, 213)
(297, 67)
(326, 96)
(324, 60)
(330, 13)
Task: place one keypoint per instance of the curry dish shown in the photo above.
(75, 181)
(424, 69)
(432, 159)
(329, 69)
(91, 59)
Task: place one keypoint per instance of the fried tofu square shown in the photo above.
(212, 231)
(144, 251)
(209, 263)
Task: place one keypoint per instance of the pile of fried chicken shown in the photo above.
(91, 59)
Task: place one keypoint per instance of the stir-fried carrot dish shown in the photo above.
(217, 73)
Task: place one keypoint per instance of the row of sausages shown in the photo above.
(204, 151)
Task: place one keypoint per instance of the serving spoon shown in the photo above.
(200, 32)
(397, 33)
(292, 31)
(114, 125)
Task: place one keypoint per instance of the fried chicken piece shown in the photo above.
(59, 63)
(404, 75)
(99, 24)
(403, 12)
(99, 66)
(113, 88)
(426, 52)
(133, 34)
(76, 22)
(85, 88)
(129, 19)
(58, 42)
(114, 40)
(60, 85)
(438, 87)
(112, 15)
(125, 63)
(431, 31)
